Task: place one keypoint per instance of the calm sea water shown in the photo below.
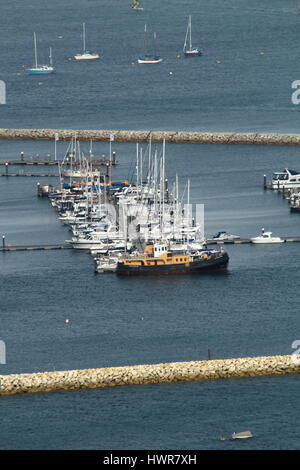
(252, 310)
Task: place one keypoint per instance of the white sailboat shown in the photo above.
(149, 59)
(86, 55)
(188, 49)
(40, 69)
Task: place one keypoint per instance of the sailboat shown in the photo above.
(189, 50)
(135, 5)
(38, 69)
(86, 55)
(149, 59)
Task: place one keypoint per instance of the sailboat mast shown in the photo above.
(141, 170)
(137, 167)
(50, 57)
(190, 26)
(145, 42)
(188, 203)
(149, 163)
(163, 180)
(35, 50)
(83, 36)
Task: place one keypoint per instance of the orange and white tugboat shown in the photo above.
(158, 258)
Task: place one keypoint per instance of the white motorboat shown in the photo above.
(110, 247)
(286, 179)
(107, 264)
(225, 236)
(266, 237)
(79, 173)
(242, 435)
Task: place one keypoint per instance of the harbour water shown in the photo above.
(252, 310)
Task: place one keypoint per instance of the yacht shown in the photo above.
(286, 179)
(266, 237)
(225, 236)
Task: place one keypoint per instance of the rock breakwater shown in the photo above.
(182, 137)
(148, 374)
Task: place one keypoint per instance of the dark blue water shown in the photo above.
(246, 91)
(252, 310)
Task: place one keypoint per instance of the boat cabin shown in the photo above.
(156, 254)
(286, 179)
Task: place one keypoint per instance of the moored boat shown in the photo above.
(286, 179)
(241, 435)
(188, 49)
(225, 236)
(40, 69)
(159, 259)
(149, 59)
(86, 55)
(266, 237)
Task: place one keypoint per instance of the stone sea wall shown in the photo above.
(156, 136)
(149, 374)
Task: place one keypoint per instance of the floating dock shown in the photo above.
(240, 241)
(34, 175)
(97, 162)
(9, 247)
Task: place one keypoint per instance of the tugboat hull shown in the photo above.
(198, 266)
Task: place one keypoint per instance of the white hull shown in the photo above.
(259, 240)
(150, 61)
(287, 178)
(266, 237)
(86, 246)
(86, 57)
(282, 184)
(223, 236)
(106, 268)
(242, 435)
(78, 173)
(194, 52)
